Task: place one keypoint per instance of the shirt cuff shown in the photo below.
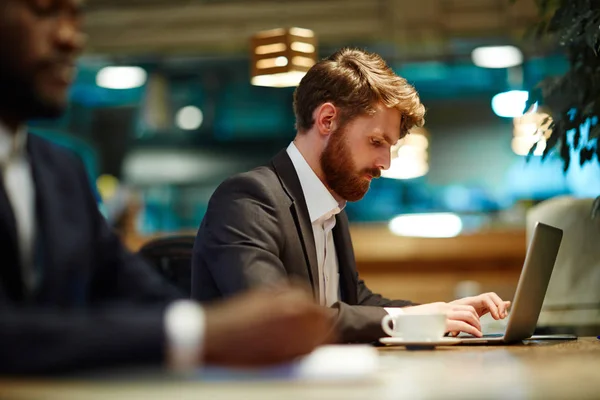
(185, 325)
(394, 311)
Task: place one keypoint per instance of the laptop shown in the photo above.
(531, 289)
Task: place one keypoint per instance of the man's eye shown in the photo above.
(376, 142)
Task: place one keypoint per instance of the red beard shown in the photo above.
(341, 175)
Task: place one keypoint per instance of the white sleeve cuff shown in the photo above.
(393, 311)
(185, 327)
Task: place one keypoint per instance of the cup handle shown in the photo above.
(385, 324)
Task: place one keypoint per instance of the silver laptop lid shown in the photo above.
(533, 283)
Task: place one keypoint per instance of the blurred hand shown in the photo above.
(459, 317)
(487, 303)
(265, 327)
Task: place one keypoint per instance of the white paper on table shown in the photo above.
(326, 363)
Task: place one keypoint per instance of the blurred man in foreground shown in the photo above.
(71, 296)
(287, 219)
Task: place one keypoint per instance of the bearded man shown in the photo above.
(286, 220)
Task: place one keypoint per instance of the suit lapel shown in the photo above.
(10, 272)
(9, 225)
(47, 239)
(299, 210)
(346, 261)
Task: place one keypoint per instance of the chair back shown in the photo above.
(172, 258)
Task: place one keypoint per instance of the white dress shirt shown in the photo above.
(184, 320)
(322, 209)
(20, 190)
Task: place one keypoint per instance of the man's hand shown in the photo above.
(459, 317)
(487, 302)
(265, 327)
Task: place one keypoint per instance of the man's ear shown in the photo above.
(326, 116)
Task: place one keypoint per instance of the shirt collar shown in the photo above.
(319, 200)
(12, 145)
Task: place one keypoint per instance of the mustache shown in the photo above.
(374, 172)
(64, 59)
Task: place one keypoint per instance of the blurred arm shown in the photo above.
(43, 341)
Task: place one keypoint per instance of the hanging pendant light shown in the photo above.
(529, 130)
(409, 156)
(280, 57)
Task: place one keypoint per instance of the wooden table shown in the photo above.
(537, 369)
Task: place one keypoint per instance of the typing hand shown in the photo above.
(486, 303)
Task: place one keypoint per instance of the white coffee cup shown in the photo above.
(417, 327)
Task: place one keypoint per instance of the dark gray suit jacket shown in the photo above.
(97, 304)
(257, 232)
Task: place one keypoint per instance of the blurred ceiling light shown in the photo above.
(270, 48)
(510, 104)
(522, 145)
(121, 77)
(405, 168)
(525, 129)
(284, 79)
(433, 225)
(497, 56)
(172, 166)
(281, 57)
(303, 61)
(272, 62)
(305, 33)
(189, 118)
(302, 47)
(409, 156)
(531, 129)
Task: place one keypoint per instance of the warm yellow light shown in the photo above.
(307, 33)
(281, 57)
(409, 157)
(302, 47)
(521, 145)
(529, 129)
(405, 168)
(303, 61)
(284, 79)
(272, 62)
(281, 61)
(416, 140)
(270, 48)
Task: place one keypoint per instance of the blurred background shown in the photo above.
(163, 110)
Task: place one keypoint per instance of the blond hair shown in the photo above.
(355, 81)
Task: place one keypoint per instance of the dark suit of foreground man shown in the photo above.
(71, 296)
(286, 220)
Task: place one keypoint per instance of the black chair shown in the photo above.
(172, 257)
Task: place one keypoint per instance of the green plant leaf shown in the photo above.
(565, 154)
(575, 26)
(552, 140)
(595, 132)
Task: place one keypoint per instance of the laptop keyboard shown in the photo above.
(485, 336)
(493, 335)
